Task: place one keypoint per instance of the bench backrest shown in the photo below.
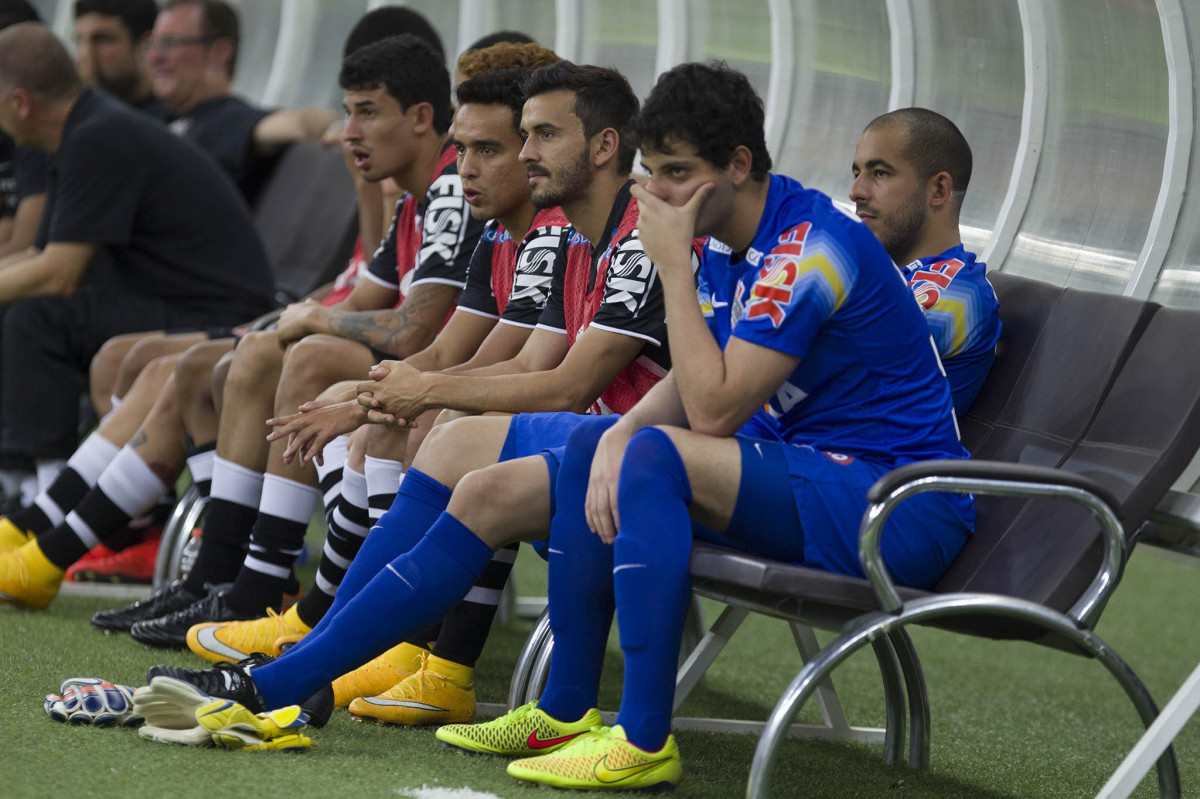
(307, 217)
(1088, 395)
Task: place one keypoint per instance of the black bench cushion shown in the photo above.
(307, 217)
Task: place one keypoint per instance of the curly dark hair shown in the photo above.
(136, 15)
(935, 144)
(603, 99)
(388, 21)
(498, 87)
(711, 107)
(408, 68)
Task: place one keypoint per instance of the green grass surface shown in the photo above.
(1009, 720)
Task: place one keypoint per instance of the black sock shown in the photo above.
(266, 570)
(465, 629)
(222, 545)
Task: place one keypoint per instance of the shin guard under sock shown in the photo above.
(409, 593)
(418, 505)
(650, 572)
(580, 585)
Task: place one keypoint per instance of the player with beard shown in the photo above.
(492, 476)
(911, 170)
(807, 316)
(111, 41)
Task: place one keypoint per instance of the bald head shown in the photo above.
(934, 144)
(32, 58)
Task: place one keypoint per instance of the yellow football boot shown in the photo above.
(231, 641)
(379, 675)
(603, 760)
(522, 732)
(27, 577)
(440, 692)
(12, 536)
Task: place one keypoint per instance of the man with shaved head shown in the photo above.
(911, 169)
(141, 231)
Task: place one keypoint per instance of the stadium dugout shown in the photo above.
(1082, 117)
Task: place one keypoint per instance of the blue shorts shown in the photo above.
(801, 505)
(542, 434)
(531, 433)
(920, 538)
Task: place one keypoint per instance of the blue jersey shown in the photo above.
(817, 285)
(963, 315)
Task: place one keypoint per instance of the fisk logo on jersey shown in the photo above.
(772, 293)
(535, 266)
(630, 274)
(928, 283)
(444, 219)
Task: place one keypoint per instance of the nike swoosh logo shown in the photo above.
(375, 700)
(534, 742)
(609, 776)
(207, 638)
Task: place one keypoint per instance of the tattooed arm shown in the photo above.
(400, 332)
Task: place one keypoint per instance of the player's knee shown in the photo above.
(147, 349)
(142, 360)
(313, 362)
(651, 469)
(453, 449)
(483, 500)
(582, 442)
(256, 356)
(220, 375)
(107, 359)
(161, 367)
(193, 372)
(447, 415)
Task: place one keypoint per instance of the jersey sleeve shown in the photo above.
(539, 261)
(960, 306)
(448, 235)
(97, 192)
(382, 269)
(478, 297)
(803, 281)
(633, 299)
(554, 315)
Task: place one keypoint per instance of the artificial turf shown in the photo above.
(1009, 719)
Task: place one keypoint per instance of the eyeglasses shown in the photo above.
(175, 42)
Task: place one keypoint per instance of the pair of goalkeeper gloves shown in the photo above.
(175, 712)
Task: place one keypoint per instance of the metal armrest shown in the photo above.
(996, 478)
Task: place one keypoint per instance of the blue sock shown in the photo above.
(412, 591)
(580, 587)
(651, 582)
(418, 504)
